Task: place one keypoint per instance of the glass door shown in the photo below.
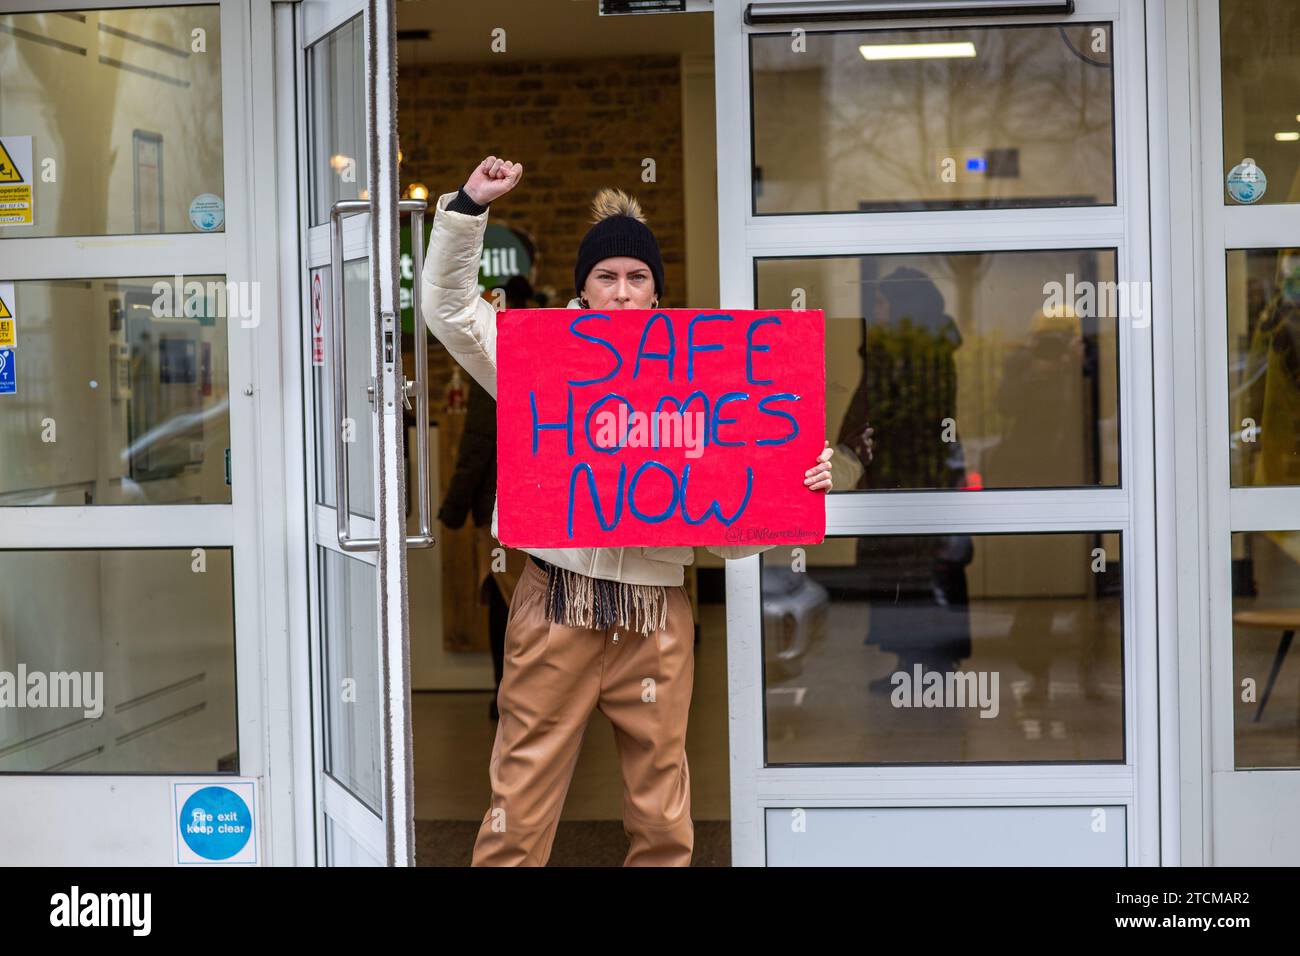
(354, 395)
(964, 672)
(1250, 191)
(133, 477)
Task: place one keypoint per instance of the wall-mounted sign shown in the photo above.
(215, 821)
(506, 252)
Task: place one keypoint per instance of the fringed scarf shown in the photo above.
(576, 600)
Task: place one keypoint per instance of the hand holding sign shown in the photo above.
(657, 428)
(818, 477)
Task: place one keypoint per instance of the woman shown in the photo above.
(606, 628)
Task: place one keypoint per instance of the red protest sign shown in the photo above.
(644, 428)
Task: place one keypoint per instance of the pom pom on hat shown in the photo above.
(615, 202)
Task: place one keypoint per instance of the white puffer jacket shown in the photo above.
(465, 323)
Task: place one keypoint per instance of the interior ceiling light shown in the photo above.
(916, 51)
(809, 11)
(1289, 136)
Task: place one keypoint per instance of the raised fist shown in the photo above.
(492, 179)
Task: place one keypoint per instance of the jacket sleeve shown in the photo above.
(456, 314)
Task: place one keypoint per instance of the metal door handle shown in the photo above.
(424, 539)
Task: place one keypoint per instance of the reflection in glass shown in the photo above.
(359, 430)
(1260, 50)
(1020, 116)
(336, 82)
(945, 649)
(1264, 366)
(970, 368)
(122, 392)
(349, 615)
(1266, 678)
(136, 652)
(124, 110)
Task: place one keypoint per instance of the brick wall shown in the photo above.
(576, 125)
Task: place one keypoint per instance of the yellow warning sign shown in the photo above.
(16, 181)
(8, 320)
(8, 168)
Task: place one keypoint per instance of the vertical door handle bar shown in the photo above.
(424, 539)
(343, 510)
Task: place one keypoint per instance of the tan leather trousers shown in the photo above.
(554, 676)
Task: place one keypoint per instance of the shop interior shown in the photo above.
(124, 400)
(586, 101)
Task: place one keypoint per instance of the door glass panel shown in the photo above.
(123, 111)
(359, 428)
(1265, 617)
(975, 370)
(349, 615)
(1260, 49)
(337, 122)
(127, 666)
(120, 392)
(934, 118)
(342, 850)
(1264, 366)
(987, 648)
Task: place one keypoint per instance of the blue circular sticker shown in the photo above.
(207, 212)
(1247, 182)
(1289, 268)
(216, 823)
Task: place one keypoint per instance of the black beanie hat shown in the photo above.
(619, 230)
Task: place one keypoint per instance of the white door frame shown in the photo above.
(83, 819)
(1243, 806)
(387, 836)
(1129, 508)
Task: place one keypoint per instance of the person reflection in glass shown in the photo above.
(1041, 393)
(1271, 397)
(915, 586)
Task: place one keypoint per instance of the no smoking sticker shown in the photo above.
(317, 322)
